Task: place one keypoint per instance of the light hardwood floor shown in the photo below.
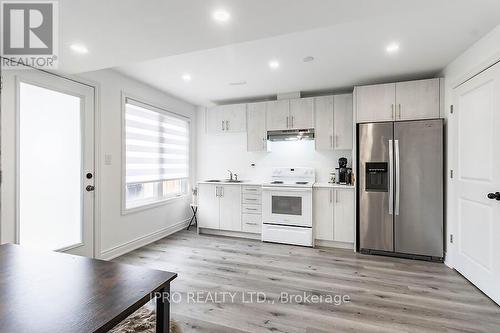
(387, 294)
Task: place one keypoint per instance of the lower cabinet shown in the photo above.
(219, 207)
(333, 214)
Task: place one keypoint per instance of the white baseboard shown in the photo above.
(339, 245)
(229, 233)
(142, 241)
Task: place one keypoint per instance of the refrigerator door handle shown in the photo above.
(391, 179)
(398, 185)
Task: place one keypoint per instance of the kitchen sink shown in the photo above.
(223, 181)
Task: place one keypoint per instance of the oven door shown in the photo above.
(287, 206)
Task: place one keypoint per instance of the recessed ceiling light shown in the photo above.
(79, 48)
(221, 15)
(274, 64)
(308, 59)
(186, 77)
(392, 48)
(238, 83)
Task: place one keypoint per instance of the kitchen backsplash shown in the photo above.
(217, 153)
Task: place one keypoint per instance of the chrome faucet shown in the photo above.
(230, 175)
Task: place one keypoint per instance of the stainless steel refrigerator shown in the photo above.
(400, 188)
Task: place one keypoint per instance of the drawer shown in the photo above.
(251, 223)
(252, 199)
(251, 209)
(251, 189)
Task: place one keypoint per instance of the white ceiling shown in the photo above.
(157, 41)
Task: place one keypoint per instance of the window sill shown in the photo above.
(147, 206)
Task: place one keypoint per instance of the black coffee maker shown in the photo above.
(344, 173)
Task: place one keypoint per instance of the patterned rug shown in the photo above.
(142, 321)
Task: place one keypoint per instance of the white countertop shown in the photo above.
(243, 182)
(329, 185)
(260, 183)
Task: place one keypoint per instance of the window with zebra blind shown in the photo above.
(156, 161)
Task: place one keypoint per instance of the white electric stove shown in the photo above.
(287, 206)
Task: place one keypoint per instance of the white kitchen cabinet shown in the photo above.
(375, 103)
(230, 208)
(256, 127)
(342, 122)
(301, 113)
(411, 100)
(278, 113)
(251, 223)
(226, 119)
(219, 207)
(417, 99)
(343, 210)
(208, 202)
(323, 118)
(333, 214)
(323, 213)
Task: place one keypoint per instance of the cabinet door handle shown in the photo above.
(264, 143)
(331, 141)
(227, 125)
(287, 123)
(251, 223)
(336, 140)
(223, 125)
(336, 197)
(221, 191)
(216, 191)
(399, 115)
(393, 112)
(293, 120)
(330, 194)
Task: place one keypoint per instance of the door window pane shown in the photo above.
(285, 205)
(50, 168)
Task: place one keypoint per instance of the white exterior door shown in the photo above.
(53, 150)
(476, 155)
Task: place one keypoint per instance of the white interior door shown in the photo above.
(54, 162)
(476, 122)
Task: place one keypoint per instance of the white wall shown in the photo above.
(119, 233)
(217, 153)
(116, 233)
(478, 57)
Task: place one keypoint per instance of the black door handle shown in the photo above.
(494, 196)
(90, 188)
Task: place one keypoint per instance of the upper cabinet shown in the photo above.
(301, 113)
(398, 101)
(226, 118)
(342, 122)
(417, 99)
(278, 115)
(323, 127)
(333, 122)
(256, 127)
(290, 114)
(375, 103)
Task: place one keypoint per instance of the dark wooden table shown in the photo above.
(55, 292)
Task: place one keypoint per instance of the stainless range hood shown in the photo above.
(291, 135)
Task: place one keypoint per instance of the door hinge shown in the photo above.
(451, 238)
(451, 109)
(451, 174)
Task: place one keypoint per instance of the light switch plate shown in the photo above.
(108, 159)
